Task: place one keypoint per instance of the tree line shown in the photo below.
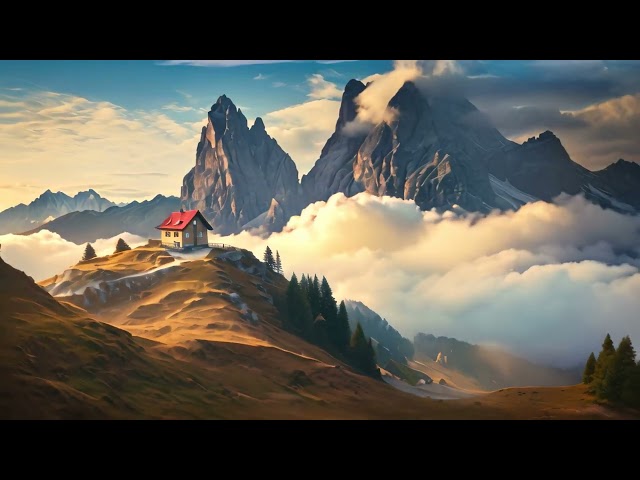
(89, 251)
(313, 311)
(614, 375)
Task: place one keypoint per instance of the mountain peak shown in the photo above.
(258, 125)
(354, 85)
(223, 104)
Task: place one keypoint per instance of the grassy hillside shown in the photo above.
(175, 342)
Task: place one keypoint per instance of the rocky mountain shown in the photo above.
(438, 150)
(333, 172)
(429, 148)
(139, 218)
(49, 206)
(542, 168)
(433, 147)
(242, 178)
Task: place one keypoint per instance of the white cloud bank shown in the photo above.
(45, 254)
(546, 282)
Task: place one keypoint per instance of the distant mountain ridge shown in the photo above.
(139, 218)
(49, 206)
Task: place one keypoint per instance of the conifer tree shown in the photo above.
(603, 363)
(622, 363)
(329, 310)
(343, 330)
(589, 368)
(314, 296)
(268, 259)
(362, 353)
(122, 246)
(304, 286)
(631, 388)
(298, 310)
(278, 263)
(89, 253)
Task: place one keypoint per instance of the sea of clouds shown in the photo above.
(546, 282)
(45, 254)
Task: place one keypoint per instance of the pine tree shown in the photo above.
(589, 368)
(631, 388)
(122, 246)
(268, 259)
(329, 310)
(278, 263)
(370, 362)
(298, 310)
(304, 286)
(89, 253)
(623, 362)
(343, 331)
(314, 296)
(603, 363)
(362, 353)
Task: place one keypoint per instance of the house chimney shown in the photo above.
(182, 210)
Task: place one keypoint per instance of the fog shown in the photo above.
(546, 282)
(45, 254)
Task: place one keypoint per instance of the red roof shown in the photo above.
(180, 220)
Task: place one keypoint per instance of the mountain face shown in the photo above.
(139, 218)
(333, 172)
(542, 167)
(242, 178)
(430, 148)
(48, 206)
(438, 150)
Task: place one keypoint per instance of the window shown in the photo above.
(186, 235)
(195, 222)
(176, 234)
(199, 234)
(167, 234)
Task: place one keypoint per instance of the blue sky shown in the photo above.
(129, 129)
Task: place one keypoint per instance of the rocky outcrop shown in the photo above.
(242, 178)
(623, 180)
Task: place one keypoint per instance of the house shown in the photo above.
(184, 229)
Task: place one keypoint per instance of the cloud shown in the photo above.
(59, 140)
(547, 281)
(321, 88)
(44, 254)
(278, 84)
(300, 137)
(594, 136)
(140, 174)
(239, 63)
(372, 102)
(174, 107)
(261, 77)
